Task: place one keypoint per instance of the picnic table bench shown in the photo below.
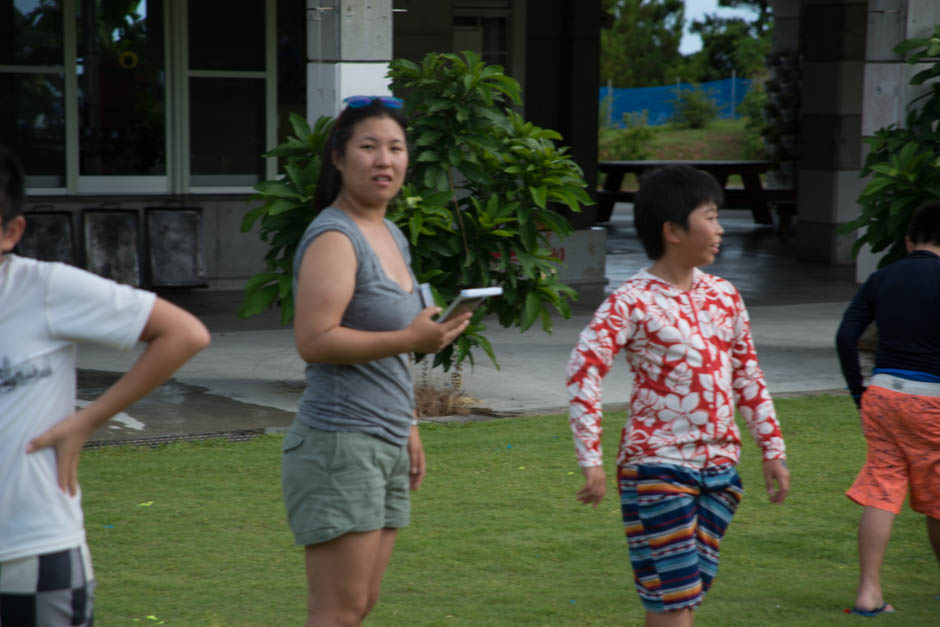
(753, 195)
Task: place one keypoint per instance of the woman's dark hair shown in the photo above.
(330, 182)
(11, 186)
(925, 225)
(670, 194)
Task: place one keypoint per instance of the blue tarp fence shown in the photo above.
(659, 102)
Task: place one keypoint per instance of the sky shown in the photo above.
(696, 9)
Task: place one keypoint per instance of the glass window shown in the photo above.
(227, 131)
(32, 123)
(227, 128)
(32, 105)
(226, 35)
(485, 35)
(31, 32)
(291, 64)
(495, 48)
(111, 87)
(122, 110)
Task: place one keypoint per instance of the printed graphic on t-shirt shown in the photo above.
(13, 377)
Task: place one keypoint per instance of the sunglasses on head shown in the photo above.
(355, 102)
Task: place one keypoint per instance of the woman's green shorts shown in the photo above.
(336, 482)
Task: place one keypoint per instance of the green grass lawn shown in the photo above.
(194, 534)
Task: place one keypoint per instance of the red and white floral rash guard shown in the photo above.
(692, 360)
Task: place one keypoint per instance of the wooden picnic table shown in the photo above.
(751, 196)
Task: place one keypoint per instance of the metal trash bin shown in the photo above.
(175, 247)
(48, 237)
(112, 247)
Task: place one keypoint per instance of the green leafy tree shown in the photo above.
(641, 47)
(903, 162)
(478, 210)
(732, 44)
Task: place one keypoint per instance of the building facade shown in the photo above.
(141, 123)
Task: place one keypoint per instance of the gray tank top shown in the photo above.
(376, 397)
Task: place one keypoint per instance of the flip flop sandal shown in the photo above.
(871, 613)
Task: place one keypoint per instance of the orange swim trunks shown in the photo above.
(903, 434)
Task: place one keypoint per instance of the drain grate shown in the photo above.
(242, 435)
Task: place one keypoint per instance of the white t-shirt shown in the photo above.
(45, 309)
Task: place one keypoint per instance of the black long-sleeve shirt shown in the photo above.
(904, 300)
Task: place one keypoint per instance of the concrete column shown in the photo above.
(560, 84)
(349, 45)
(786, 25)
(887, 90)
(785, 46)
(833, 45)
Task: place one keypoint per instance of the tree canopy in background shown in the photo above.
(641, 48)
(733, 44)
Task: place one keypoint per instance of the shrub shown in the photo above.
(751, 107)
(628, 143)
(694, 108)
(903, 163)
(284, 216)
(477, 211)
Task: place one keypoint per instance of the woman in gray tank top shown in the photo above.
(353, 451)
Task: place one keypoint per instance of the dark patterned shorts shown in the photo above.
(675, 518)
(47, 590)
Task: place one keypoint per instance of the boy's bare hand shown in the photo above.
(595, 486)
(68, 437)
(777, 480)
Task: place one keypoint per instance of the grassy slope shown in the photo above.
(723, 139)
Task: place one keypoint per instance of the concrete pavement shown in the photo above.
(250, 378)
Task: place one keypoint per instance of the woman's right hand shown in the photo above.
(430, 336)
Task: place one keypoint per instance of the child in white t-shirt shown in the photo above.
(45, 310)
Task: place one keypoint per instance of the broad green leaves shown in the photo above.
(903, 164)
(484, 186)
(286, 211)
(496, 178)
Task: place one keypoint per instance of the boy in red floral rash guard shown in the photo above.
(688, 342)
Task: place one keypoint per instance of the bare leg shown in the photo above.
(679, 618)
(344, 576)
(933, 532)
(874, 532)
(382, 557)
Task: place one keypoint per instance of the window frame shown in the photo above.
(177, 136)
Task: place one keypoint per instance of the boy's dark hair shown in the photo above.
(331, 181)
(670, 194)
(925, 225)
(11, 186)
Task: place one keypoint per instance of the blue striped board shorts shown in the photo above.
(51, 589)
(674, 519)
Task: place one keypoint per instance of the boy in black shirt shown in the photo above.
(901, 406)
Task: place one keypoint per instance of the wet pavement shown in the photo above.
(250, 379)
